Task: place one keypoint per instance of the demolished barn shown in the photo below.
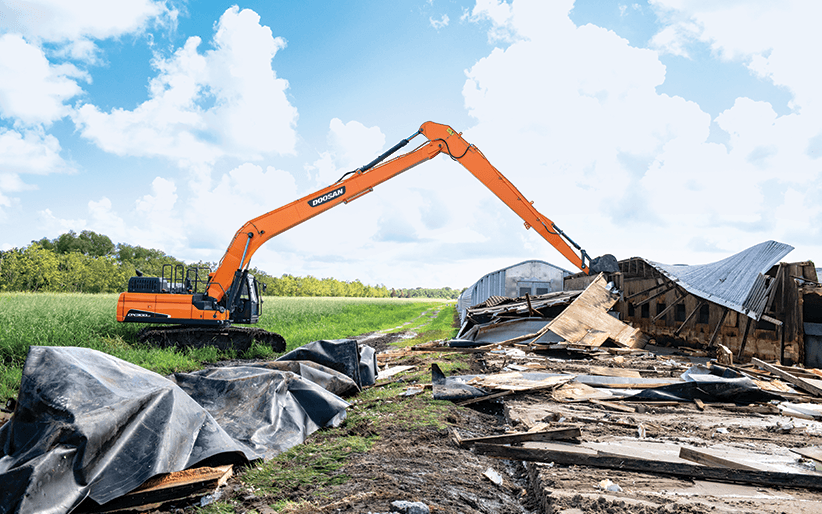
(748, 302)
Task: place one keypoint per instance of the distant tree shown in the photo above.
(87, 243)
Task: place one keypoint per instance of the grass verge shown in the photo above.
(85, 320)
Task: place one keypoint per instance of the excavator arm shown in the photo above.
(443, 139)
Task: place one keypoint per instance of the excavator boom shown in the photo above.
(441, 139)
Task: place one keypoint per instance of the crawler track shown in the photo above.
(238, 338)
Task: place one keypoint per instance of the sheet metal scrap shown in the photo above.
(736, 282)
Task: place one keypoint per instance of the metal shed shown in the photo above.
(533, 277)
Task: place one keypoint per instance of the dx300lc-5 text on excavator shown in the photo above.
(198, 306)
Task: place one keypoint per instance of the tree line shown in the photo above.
(91, 263)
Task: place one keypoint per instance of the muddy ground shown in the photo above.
(426, 464)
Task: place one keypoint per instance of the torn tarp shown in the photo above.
(452, 388)
(343, 355)
(90, 425)
(710, 385)
(329, 379)
(268, 411)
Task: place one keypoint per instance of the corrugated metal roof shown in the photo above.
(733, 282)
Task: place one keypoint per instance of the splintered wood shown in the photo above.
(168, 487)
(514, 381)
(586, 321)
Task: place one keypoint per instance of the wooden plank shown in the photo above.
(744, 339)
(168, 487)
(787, 377)
(644, 291)
(670, 286)
(690, 471)
(614, 372)
(809, 453)
(708, 459)
(484, 398)
(769, 319)
(699, 404)
(586, 321)
(448, 349)
(390, 372)
(559, 434)
(514, 381)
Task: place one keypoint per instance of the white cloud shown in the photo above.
(105, 221)
(77, 23)
(500, 14)
(53, 226)
(27, 152)
(30, 151)
(772, 38)
(571, 115)
(32, 90)
(352, 145)
(224, 102)
(438, 24)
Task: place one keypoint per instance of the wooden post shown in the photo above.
(744, 339)
(718, 326)
(664, 312)
(691, 315)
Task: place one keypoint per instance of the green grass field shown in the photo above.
(52, 319)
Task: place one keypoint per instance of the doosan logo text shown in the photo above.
(326, 197)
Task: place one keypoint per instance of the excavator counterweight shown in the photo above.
(230, 295)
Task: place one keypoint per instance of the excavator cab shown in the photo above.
(248, 306)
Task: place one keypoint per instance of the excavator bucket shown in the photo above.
(604, 264)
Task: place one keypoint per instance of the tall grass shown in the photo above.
(63, 319)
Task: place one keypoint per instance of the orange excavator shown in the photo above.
(202, 305)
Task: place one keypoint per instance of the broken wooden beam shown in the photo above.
(559, 434)
(708, 459)
(668, 287)
(787, 377)
(484, 398)
(689, 317)
(690, 471)
(668, 308)
(167, 487)
(718, 327)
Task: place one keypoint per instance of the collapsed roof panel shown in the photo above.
(733, 282)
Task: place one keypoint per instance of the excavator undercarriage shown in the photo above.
(224, 338)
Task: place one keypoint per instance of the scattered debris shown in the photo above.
(493, 476)
(607, 485)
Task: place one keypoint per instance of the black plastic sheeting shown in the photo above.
(90, 425)
(267, 411)
(736, 390)
(452, 388)
(329, 379)
(717, 384)
(343, 355)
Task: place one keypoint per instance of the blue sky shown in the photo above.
(677, 130)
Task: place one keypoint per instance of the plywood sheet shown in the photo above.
(587, 322)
